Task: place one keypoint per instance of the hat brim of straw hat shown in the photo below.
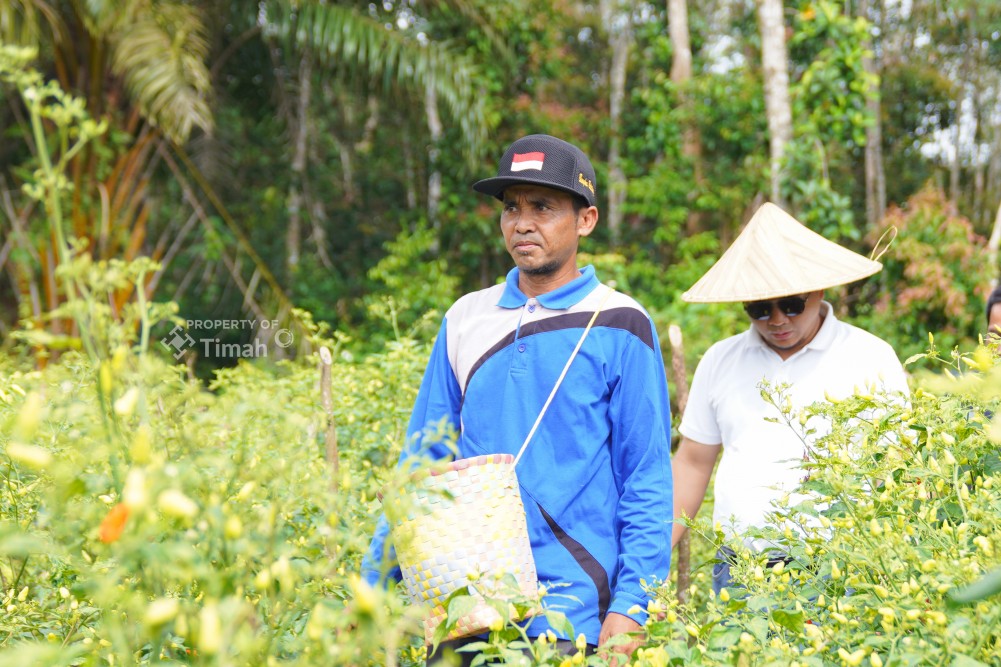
(774, 256)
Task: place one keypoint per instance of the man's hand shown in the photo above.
(617, 624)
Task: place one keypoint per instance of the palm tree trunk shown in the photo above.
(775, 65)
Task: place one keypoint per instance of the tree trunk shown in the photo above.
(994, 242)
(992, 177)
(293, 234)
(775, 68)
(965, 77)
(957, 139)
(436, 132)
(341, 136)
(410, 171)
(677, 25)
(618, 20)
(875, 174)
(681, 74)
(978, 212)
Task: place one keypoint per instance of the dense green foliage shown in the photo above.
(147, 518)
(933, 280)
(320, 154)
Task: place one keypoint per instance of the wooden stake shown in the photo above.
(681, 393)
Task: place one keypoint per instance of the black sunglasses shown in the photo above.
(791, 306)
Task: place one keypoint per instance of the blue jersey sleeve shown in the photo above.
(434, 424)
(640, 412)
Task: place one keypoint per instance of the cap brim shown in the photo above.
(496, 186)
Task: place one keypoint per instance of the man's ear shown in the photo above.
(587, 220)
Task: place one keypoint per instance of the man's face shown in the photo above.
(541, 229)
(788, 334)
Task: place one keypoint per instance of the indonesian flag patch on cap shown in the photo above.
(523, 161)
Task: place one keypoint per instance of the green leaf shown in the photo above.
(559, 622)
(30, 653)
(14, 543)
(735, 605)
(439, 635)
(758, 627)
(986, 586)
(458, 607)
(761, 602)
(723, 637)
(791, 620)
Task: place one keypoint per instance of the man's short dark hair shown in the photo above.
(579, 203)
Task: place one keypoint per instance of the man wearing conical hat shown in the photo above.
(778, 269)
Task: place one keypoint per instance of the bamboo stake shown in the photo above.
(681, 393)
(326, 361)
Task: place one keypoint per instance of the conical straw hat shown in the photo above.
(774, 256)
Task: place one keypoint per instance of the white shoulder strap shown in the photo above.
(566, 368)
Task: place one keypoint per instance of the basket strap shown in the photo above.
(566, 368)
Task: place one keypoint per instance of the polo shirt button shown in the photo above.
(531, 308)
(521, 348)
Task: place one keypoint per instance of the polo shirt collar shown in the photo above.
(823, 340)
(560, 298)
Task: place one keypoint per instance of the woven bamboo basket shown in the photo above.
(458, 525)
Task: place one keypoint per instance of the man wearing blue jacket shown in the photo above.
(596, 477)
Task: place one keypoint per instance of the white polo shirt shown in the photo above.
(761, 459)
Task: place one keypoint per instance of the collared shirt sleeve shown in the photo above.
(640, 414)
(434, 424)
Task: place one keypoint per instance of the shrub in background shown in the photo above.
(936, 277)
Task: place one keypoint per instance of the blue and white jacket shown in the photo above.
(596, 477)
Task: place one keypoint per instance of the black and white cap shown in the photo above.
(540, 159)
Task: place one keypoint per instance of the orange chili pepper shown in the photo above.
(114, 523)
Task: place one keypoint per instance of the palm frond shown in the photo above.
(161, 56)
(477, 12)
(104, 17)
(21, 22)
(342, 36)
